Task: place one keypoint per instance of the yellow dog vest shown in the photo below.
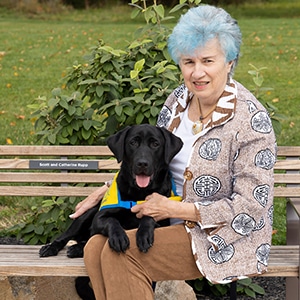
(112, 198)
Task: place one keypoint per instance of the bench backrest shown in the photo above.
(287, 176)
(51, 170)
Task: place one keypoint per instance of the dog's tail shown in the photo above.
(83, 288)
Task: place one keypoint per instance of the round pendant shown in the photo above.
(197, 127)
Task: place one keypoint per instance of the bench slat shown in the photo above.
(26, 191)
(16, 150)
(23, 177)
(287, 178)
(291, 164)
(286, 192)
(288, 151)
(20, 260)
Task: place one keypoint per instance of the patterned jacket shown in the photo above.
(229, 178)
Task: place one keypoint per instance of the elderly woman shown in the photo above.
(224, 172)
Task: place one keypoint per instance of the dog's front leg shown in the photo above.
(145, 233)
(111, 227)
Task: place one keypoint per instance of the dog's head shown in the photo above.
(145, 150)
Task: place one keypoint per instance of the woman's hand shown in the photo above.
(89, 202)
(160, 207)
(155, 206)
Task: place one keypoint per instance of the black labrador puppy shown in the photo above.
(145, 152)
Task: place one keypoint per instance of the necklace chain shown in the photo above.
(198, 125)
(200, 111)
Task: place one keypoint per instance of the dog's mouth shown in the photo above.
(142, 180)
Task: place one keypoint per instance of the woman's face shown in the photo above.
(205, 73)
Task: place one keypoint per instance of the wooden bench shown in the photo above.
(29, 171)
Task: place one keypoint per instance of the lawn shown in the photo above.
(37, 51)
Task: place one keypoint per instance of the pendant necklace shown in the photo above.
(198, 125)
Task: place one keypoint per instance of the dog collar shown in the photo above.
(112, 198)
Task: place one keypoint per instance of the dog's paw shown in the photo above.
(48, 250)
(119, 242)
(144, 239)
(75, 250)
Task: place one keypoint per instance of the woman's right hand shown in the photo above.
(89, 202)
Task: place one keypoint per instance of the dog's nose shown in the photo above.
(142, 164)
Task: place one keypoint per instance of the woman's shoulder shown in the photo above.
(179, 94)
(246, 97)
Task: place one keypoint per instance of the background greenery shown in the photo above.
(38, 49)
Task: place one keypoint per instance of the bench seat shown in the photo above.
(19, 260)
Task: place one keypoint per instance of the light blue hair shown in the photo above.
(201, 24)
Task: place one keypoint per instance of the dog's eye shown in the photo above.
(133, 142)
(154, 144)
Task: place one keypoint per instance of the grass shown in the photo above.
(38, 49)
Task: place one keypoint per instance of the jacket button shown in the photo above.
(190, 224)
(188, 175)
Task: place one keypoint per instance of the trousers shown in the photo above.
(129, 275)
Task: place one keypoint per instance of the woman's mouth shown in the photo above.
(201, 84)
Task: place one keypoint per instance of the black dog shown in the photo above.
(145, 152)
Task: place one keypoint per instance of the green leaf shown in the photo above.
(118, 110)
(55, 213)
(139, 118)
(56, 92)
(53, 101)
(87, 124)
(63, 103)
(160, 10)
(39, 230)
(245, 281)
(71, 110)
(139, 65)
(47, 203)
(134, 74)
(257, 289)
(258, 81)
(250, 293)
(99, 90)
(88, 81)
(51, 138)
(154, 111)
(29, 228)
(85, 133)
(62, 140)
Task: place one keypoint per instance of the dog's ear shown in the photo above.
(172, 146)
(116, 143)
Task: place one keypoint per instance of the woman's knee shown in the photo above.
(94, 245)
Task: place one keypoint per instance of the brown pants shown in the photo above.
(129, 275)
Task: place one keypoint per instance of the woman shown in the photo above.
(224, 172)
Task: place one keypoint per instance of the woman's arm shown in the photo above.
(89, 202)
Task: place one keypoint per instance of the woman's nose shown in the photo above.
(198, 71)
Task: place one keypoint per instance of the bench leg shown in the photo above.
(292, 238)
(292, 288)
(233, 290)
